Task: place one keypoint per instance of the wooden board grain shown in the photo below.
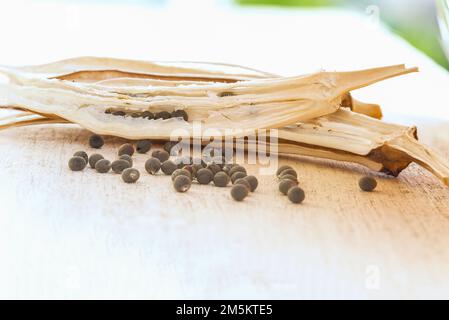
(82, 234)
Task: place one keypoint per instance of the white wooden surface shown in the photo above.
(85, 235)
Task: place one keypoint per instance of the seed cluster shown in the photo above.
(288, 184)
(148, 114)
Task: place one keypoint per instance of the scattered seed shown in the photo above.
(103, 166)
(182, 183)
(152, 165)
(226, 94)
(148, 115)
(367, 184)
(126, 148)
(162, 115)
(128, 158)
(239, 192)
(82, 154)
(282, 168)
(162, 155)
(196, 168)
(215, 168)
(180, 172)
(243, 182)
(77, 163)
(130, 175)
(228, 167)
(143, 146)
(94, 158)
(237, 175)
(285, 185)
(235, 169)
(289, 177)
(168, 167)
(221, 179)
(253, 182)
(296, 195)
(204, 176)
(96, 141)
(291, 172)
(180, 114)
(118, 166)
(191, 169)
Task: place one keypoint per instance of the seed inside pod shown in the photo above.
(130, 175)
(204, 176)
(180, 114)
(148, 115)
(96, 141)
(235, 169)
(162, 155)
(215, 168)
(143, 146)
(168, 167)
(239, 192)
(296, 195)
(128, 158)
(288, 172)
(94, 158)
(285, 185)
(118, 166)
(226, 94)
(181, 172)
(367, 184)
(108, 111)
(119, 113)
(103, 166)
(82, 154)
(282, 168)
(221, 179)
(77, 163)
(237, 175)
(243, 182)
(182, 183)
(169, 145)
(253, 182)
(162, 115)
(136, 115)
(289, 177)
(152, 165)
(126, 148)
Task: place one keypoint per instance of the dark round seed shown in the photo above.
(239, 192)
(152, 165)
(130, 175)
(169, 145)
(136, 115)
(118, 166)
(180, 114)
(94, 158)
(237, 175)
(143, 146)
(288, 172)
(253, 182)
(119, 113)
(148, 115)
(82, 154)
(282, 168)
(296, 195)
(162, 155)
(162, 115)
(96, 141)
(196, 168)
(77, 163)
(235, 169)
(221, 179)
(103, 166)
(227, 167)
(182, 183)
(243, 182)
(181, 172)
(367, 184)
(126, 148)
(215, 168)
(191, 169)
(168, 167)
(289, 177)
(204, 176)
(285, 185)
(128, 158)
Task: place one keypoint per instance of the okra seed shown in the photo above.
(237, 175)
(168, 167)
(239, 192)
(128, 158)
(81, 154)
(253, 182)
(143, 146)
(226, 94)
(94, 158)
(182, 183)
(221, 179)
(367, 184)
(118, 166)
(181, 172)
(296, 195)
(244, 182)
(119, 113)
(204, 176)
(152, 165)
(126, 148)
(96, 141)
(282, 168)
(191, 169)
(148, 115)
(162, 115)
(285, 185)
(162, 155)
(136, 115)
(196, 168)
(215, 168)
(180, 114)
(235, 169)
(77, 163)
(103, 166)
(130, 175)
(289, 177)
(291, 172)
